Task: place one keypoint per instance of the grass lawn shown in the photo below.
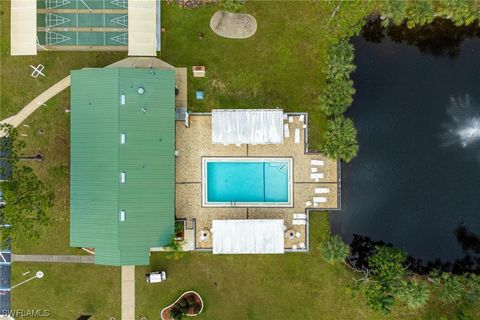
(68, 290)
(290, 286)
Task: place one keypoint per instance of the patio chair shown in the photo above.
(298, 235)
(290, 119)
(319, 199)
(315, 204)
(299, 222)
(313, 170)
(317, 162)
(302, 246)
(308, 203)
(301, 118)
(322, 190)
(297, 135)
(317, 175)
(299, 216)
(294, 247)
(286, 130)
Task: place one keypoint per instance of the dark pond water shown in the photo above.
(416, 181)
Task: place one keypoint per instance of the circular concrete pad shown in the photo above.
(233, 25)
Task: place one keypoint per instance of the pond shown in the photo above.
(416, 181)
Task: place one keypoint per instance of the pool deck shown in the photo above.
(195, 142)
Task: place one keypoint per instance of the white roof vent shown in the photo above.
(122, 215)
(123, 138)
(123, 98)
(123, 177)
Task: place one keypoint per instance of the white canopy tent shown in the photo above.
(247, 126)
(142, 24)
(248, 236)
(23, 30)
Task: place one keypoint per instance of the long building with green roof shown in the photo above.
(122, 178)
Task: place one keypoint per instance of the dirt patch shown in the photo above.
(233, 25)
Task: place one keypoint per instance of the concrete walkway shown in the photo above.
(128, 292)
(52, 258)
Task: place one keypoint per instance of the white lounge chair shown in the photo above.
(313, 170)
(302, 246)
(299, 222)
(318, 175)
(322, 190)
(319, 199)
(286, 130)
(299, 216)
(308, 203)
(290, 119)
(297, 135)
(315, 204)
(301, 118)
(317, 162)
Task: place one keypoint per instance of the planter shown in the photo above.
(179, 230)
(189, 295)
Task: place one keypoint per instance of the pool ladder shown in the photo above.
(233, 204)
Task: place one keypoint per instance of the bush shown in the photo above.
(340, 139)
(415, 294)
(337, 96)
(335, 250)
(340, 61)
(232, 5)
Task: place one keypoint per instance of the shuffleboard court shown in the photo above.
(82, 20)
(67, 23)
(82, 4)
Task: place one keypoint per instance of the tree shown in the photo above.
(335, 250)
(394, 12)
(419, 12)
(386, 272)
(340, 61)
(337, 96)
(340, 139)
(27, 198)
(461, 12)
(414, 293)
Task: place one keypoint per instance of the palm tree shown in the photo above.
(461, 12)
(335, 250)
(419, 12)
(415, 294)
(394, 12)
(340, 61)
(337, 96)
(340, 139)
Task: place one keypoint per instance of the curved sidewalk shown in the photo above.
(58, 87)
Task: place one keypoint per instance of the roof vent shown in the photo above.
(141, 90)
(122, 215)
(123, 177)
(123, 137)
(122, 99)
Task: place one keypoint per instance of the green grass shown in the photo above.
(68, 290)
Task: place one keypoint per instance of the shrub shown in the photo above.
(415, 294)
(335, 250)
(340, 139)
(232, 5)
(340, 61)
(337, 96)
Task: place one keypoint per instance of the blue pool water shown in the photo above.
(247, 181)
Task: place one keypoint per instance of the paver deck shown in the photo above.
(194, 142)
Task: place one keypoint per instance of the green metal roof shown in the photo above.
(98, 158)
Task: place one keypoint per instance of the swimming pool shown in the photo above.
(247, 182)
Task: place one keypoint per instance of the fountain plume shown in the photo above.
(464, 125)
